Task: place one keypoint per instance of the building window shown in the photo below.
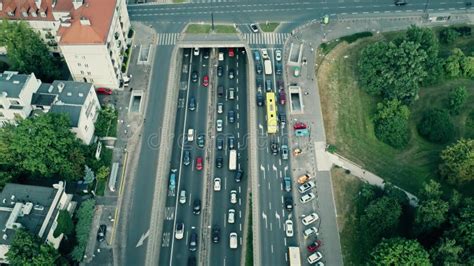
(86, 65)
(14, 102)
(89, 73)
(78, 64)
(82, 72)
(83, 57)
(1, 114)
(85, 128)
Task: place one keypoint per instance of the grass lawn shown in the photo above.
(100, 187)
(348, 114)
(346, 188)
(225, 29)
(269, 27)
(198, 28)
(180, 1)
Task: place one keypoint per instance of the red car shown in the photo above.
(231, 52)
(314, 246)
(199, 163)
(282, 96)
(205, 81)
(299, 125)
(104, 91)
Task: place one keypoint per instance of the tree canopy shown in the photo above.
(457, 165)
(436, 126)
(84, 221)
(65, 224)
(456, 99)
(391, 123)
(26, 249)
(43, 146)
(27, 52)
(399, 251)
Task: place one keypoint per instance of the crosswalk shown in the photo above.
(169, 213)
(251, 38)
(266, 38)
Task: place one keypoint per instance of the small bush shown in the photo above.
(448, 35)
(356, 36)
(436, 126)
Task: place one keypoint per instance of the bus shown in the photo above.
(233, 160)
(268, 66)
(294, 256)
(272, 120)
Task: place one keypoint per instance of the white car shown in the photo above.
(310, 231)
(233, 240)
(190, 135)
(182, 197)
(315, 257)
(233, 196)
(179, 231)
(254, 28)
(289, 228)
(196, 51)
(306, 187)
(265, 54)
(307, 197)
(313, 217)
(278, 55)
(220, 108)
(231, 216)
(217, 184)
(219, 125)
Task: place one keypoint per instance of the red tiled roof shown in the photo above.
(100, 14)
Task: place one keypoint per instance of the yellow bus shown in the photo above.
(272, 120)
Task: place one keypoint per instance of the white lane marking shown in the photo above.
(269, 205)
(264, 217)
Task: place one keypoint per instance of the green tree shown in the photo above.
(27, 52)
(88, 175)
(44, 145)
(65, 224)
(431, 190)
(380, 219)
(84, 221)
(399, 251)
(462, 230)
(446, 252)
(453, 63)
(103, 173)
(106, 122)
(467, 66)
(430, 214)
(391, 123)
(436, 126)
(448, 35)
(26, 249)
(456, 99)
(457, 165)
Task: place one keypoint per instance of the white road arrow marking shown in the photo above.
(264, 216)
(142, 239)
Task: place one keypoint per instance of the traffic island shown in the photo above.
(269, 26)
(207, 29)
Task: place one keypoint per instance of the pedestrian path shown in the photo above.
(266, 38)
(167, 38)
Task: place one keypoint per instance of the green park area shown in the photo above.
(207, 28)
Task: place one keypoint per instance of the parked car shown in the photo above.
(315, 257)
(299, 125)
(309, 219)
(303, 179)
(307, 197)
(289, 204)
(284, 152)
(101, 233)
(220, 108)
(287, 183)
(193, 242)
(217, 184)
(314, 246)
(289, 228)
(199, 163)
(310, 231)
(179, 234)
(254, 28)
(103, 91)
(197, 206)
(220, 91)
(306, 187)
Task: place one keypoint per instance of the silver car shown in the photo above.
(284, 152)
(219, 125)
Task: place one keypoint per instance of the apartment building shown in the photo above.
(91, 35)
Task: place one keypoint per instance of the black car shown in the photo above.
(197, 206)
(193, 241)
(231, 116)
(201, 141)
(274, 148)
(219, 162)
(101, 232)
(231, 74)
(268, 85)
(192, 104)
(205, 54)
(282, 119)
(259, 68)
(220, 71)
(194, 76)
(192, 261)
(260, 98)
(400, 2)
(289, 204)
(220, 143)
(187, 158)
(259, 84)
(231, 142)
(278, 68)
(239, 175)
(216, 234)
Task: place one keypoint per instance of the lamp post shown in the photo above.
(212, 21)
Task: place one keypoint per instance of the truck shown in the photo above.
(303, 179)
(233, 160)
(294, 256)
(268, 66)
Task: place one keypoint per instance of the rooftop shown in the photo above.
(12, 83)
(27, 9)
(72, 111)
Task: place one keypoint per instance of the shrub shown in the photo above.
(391, 123)
(456, 99)
(356, 36)
(448, 35)
(436, 126)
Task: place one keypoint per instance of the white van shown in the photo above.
(221, 56)
(231, 93)
(190, 134)
(233, 240)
